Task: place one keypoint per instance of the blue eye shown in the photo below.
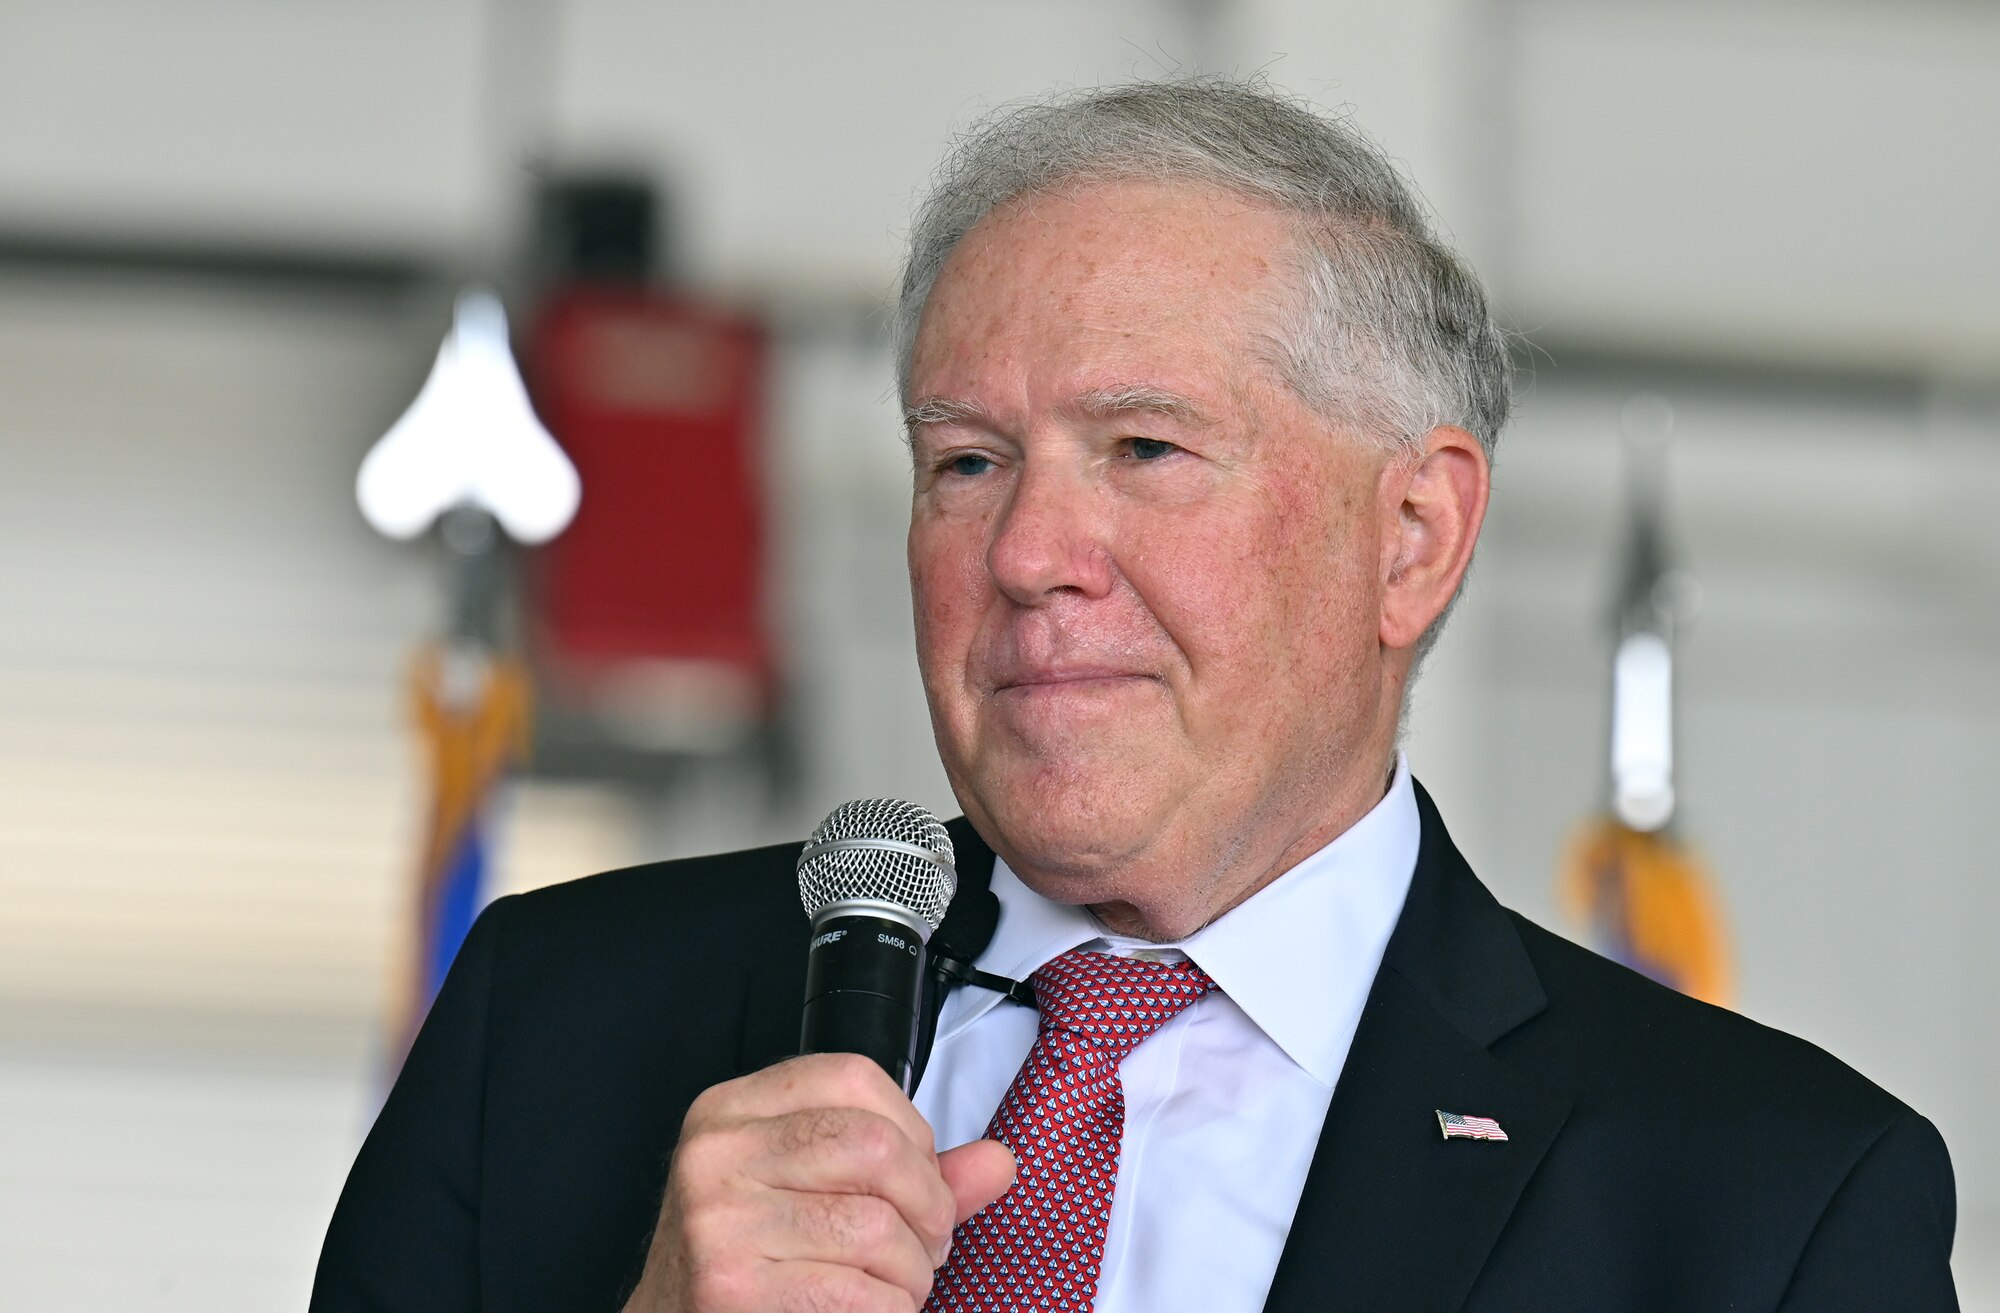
(969, 465)
(1151, 448)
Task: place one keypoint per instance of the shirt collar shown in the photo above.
(1298, 956)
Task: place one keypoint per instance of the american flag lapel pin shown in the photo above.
(1458, 1126)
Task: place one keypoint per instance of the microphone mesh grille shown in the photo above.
(922, 884)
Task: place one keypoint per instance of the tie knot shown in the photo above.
(1115, 1002)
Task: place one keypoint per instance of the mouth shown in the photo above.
(1075, 680)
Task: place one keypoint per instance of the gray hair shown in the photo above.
(1389, 334)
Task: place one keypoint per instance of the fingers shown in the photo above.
(747, 1231)
(832, 1288)
(848, 1151)
(824, 1080)
(828, 1123)
(976, 1174)
(804, 1287)
(787, 1179)
(863, 1231)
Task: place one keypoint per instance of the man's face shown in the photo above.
(1147, 578)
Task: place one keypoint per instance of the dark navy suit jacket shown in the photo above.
(1662, 1154)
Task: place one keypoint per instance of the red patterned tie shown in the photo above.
(1039, 1245)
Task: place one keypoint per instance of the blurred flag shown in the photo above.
(471, 708)
(1648, 899)
(1643, 892)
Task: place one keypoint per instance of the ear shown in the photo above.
(1434, 502)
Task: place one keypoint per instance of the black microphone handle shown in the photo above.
(864, 991)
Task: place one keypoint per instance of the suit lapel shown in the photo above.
(1392, 1214)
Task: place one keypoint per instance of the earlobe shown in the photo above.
(1440, 497)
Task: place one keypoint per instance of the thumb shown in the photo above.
(978, 1173)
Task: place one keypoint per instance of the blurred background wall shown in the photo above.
(229, 236)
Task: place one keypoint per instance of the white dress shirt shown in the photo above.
(1223, 1106)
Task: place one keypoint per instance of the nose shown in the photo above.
(1051, 538)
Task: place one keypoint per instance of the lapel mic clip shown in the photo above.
(964, 973)
(968, 927)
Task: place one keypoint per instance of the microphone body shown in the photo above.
(865, 988)
(876, 878)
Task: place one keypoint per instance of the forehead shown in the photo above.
(1094, 281)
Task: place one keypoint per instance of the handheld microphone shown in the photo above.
(876, 878)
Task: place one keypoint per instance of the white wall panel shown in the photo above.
(797, 132)
(1810, 182)
(313, 122)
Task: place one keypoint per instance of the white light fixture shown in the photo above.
(470, 438)
(1642, 731)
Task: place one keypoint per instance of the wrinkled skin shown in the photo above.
(810, 1187)
(1164, 610)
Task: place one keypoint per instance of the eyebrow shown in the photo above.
(1098, 403)
(942, 410)
(1139, 399)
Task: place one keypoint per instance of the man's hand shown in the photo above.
(809, 1187)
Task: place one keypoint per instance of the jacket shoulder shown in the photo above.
(1728, 1118)
(630, 954)
(1756, 1147)
(712, 883)
(1642, 1042)
(654, 908)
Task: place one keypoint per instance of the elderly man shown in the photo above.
(1201, 415)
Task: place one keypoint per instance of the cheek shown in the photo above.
(1280, 596)
(1216, 586)
(947, 593)
(1331, 601)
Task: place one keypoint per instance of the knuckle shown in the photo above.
(693, 1156)
(851, 1223)
(876, 1222)
(872, 1141)
(723, 1287)
(940, 1214)
(703, 1158)
(856, 1077)
(712, 1104)
(706, 1232)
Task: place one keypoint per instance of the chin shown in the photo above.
(1069, 834)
